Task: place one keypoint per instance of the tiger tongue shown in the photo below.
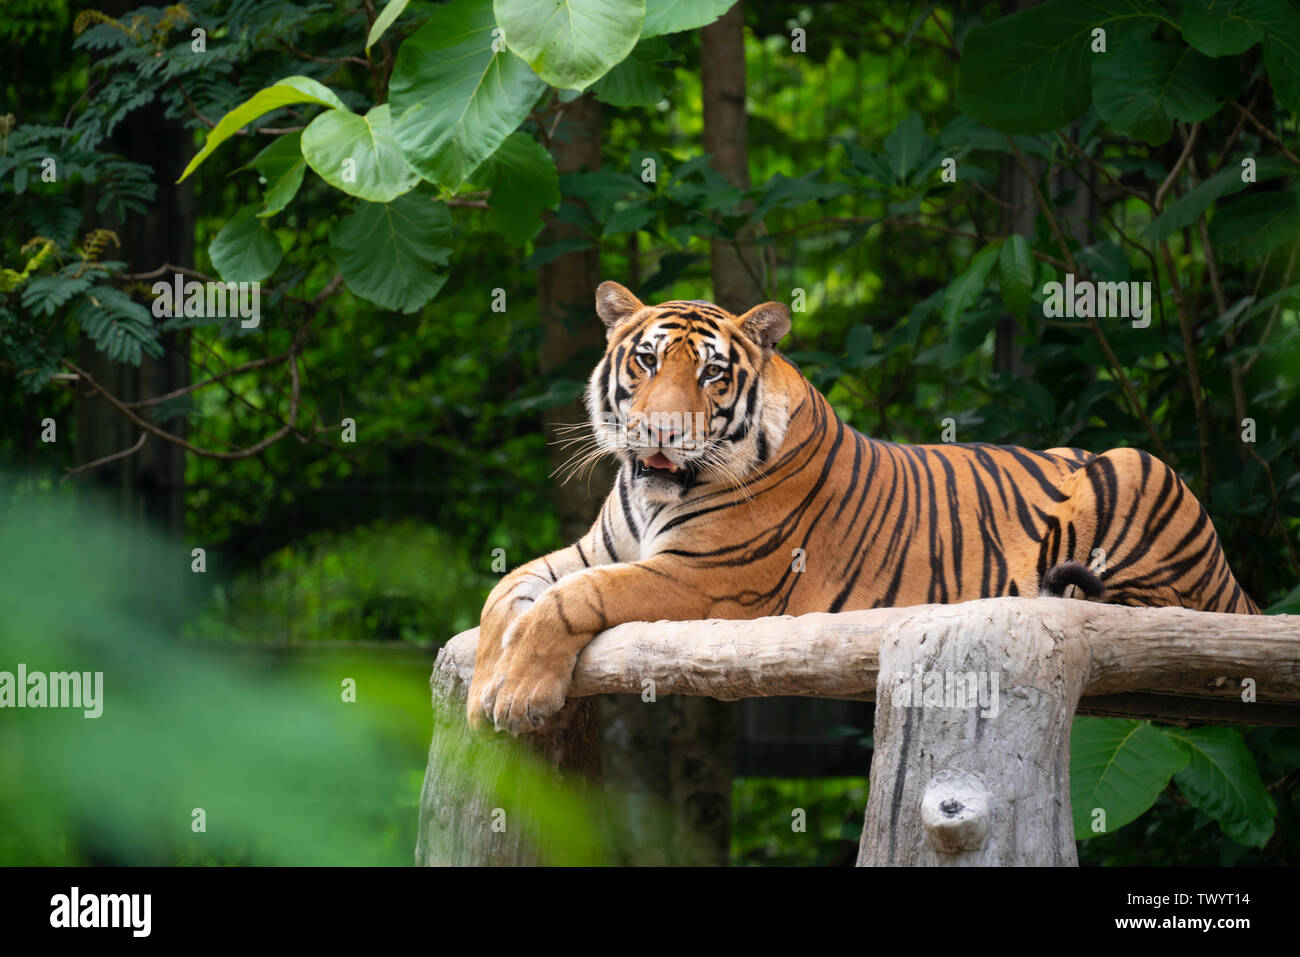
(661, 461)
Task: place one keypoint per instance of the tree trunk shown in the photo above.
(151, 483)
(574, 340)
(574, 337)
(735, 266)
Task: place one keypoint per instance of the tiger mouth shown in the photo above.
(660, 466)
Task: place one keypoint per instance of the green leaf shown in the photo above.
(629, 219)
(1186, 209)
(600, 189)
(522, 177)
(43, 295)
(453, 98)
(1217, 27)
(570, 43)
(357, 155)
(385, 20)
(874, 166)
(392, 253)
(1277, 23)
(1143, 86)
(1029, 72)
(786, 193)
(906, 145)
(1119, 767)
(674, 16)
(966, 288)
(119, 326)
(1016, 274)
(1222, 781)
(1289, 605)
(635, 81)
(630, 83)
(282, 167)
(245, 250)
(1253, 226)
(1104, 260)
(290, 90)
(552, 251)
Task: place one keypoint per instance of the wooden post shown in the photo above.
(972, 738)
(468, 807)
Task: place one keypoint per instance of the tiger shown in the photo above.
(740, 493)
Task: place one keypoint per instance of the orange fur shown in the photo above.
(784, 509)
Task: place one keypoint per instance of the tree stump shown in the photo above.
(475, 799)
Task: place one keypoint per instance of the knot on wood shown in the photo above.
(955, 812)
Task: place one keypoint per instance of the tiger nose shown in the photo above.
(664, 435)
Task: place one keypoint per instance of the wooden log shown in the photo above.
(1164, 654)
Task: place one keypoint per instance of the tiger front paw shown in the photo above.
(528, 686)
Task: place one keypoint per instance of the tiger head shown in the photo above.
(684, 395)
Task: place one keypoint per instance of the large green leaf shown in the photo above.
(1221, 780)
(1016, 274)
(384, 21)
(290, 90)
(1277, 23)
(357, 154)
(966, 288)
(631, 83)
(454, 99)
(245, 250)
(636, 81)
(522, 177)
(1029, 72)
(1119, 767)
(282, 167)
(1142, 87)
(571, 43)
(1253, 226)
(674, 16)
(1218, 27)
(392, 253)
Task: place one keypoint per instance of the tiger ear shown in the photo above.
(766, 324)
(615, 304)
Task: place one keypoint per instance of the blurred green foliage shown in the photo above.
(401, 581)
(797, 822)
(285, 769)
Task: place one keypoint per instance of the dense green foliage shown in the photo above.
(408, 154)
